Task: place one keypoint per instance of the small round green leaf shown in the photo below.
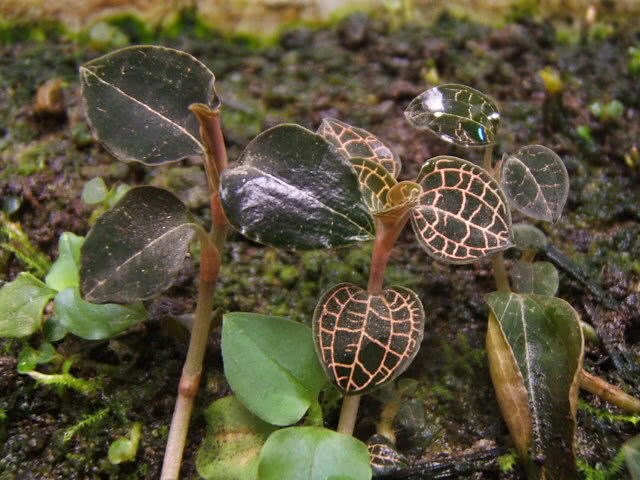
(231, 448)
(536, 182)
(124, 449)
(94, 191)
(135, 250)
(457, 114)
(313, 453)
(138, 102)
(365, 340)
(65, 271)
(92, 321)
(271, 366)
(292, 189)
(21, 305)
(538, 277)
(353, 142)
(461, 215)
(528, 237)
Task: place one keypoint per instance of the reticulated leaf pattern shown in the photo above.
(457, 114)
(354, 142)
(384, 456)
(365, 340)
(462, 214)
(536, 182)
(375, 183)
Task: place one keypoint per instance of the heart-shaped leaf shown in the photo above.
(65, 271)
(292, 189)
(354, 142)
(536, 182)
(313, 453)
(537, 277)
(138, 102)
(385, 459)
(135, 250)
(21, 305)
(231, 448)
(535, 348)
(365, 340)
(457, 114)
(462, 214)
(95, 321)
(271, 366)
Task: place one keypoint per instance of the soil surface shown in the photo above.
(365, 73)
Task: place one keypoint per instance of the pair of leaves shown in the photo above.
(534, 179)
(365, 340)
(240, 445)
(535, 349)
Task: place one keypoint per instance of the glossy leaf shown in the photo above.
(353, 142)
(385, 459)
(292, 189)
(632, 457)
(461, 215)
(528, 237)
(535, 370)
(21, 305)
(365, 340)
(538, 277)
(313, 453)
(231, 448)
(536, 182)
(271, 366)
(135, 250)
(457, 114)
(375, 183)
(138, 102)
(95, 321)
(65, 271)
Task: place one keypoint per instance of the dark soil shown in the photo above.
(365, 74)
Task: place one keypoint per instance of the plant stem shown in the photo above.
(608, 392)
(488, 159)
(211, 246)
(388, 230)
(387, 416)
(500, 272)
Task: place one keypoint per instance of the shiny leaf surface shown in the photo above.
(545, 343)
(375, 183)
(313, 453)
(138, 102)
(365, 340)
(457, 114)
(461, 215)
(232, 444)
(21, 305)
(292, 189)
(536, 182)
(538, 277)
(271, 366)
(65, 271)
(135, 250)
(354, 142)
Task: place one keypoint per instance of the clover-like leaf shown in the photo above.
(292, 189)
(535, 347)
(457, 114)
(536, 182)
(135, 250)
(354, 142)
(231, 448)
(138, 102)
(365, 340)
(21, 305)
(385, 459)
(537, 277)
(461, 214)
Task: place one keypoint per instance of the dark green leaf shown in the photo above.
(271, 365)
(632, 457)
(462, 214)
(536, 182)
(544, 348)
(292, 189)
(354, 142)
(65, 271)
(538, 277)
(231, 448)
(457, 114)
(528, 237)
(135, 250)
(313, 453)
(21, 305)
(138, 102)
(92, 321)
(365, 340)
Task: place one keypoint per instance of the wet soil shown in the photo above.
(364, 73)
